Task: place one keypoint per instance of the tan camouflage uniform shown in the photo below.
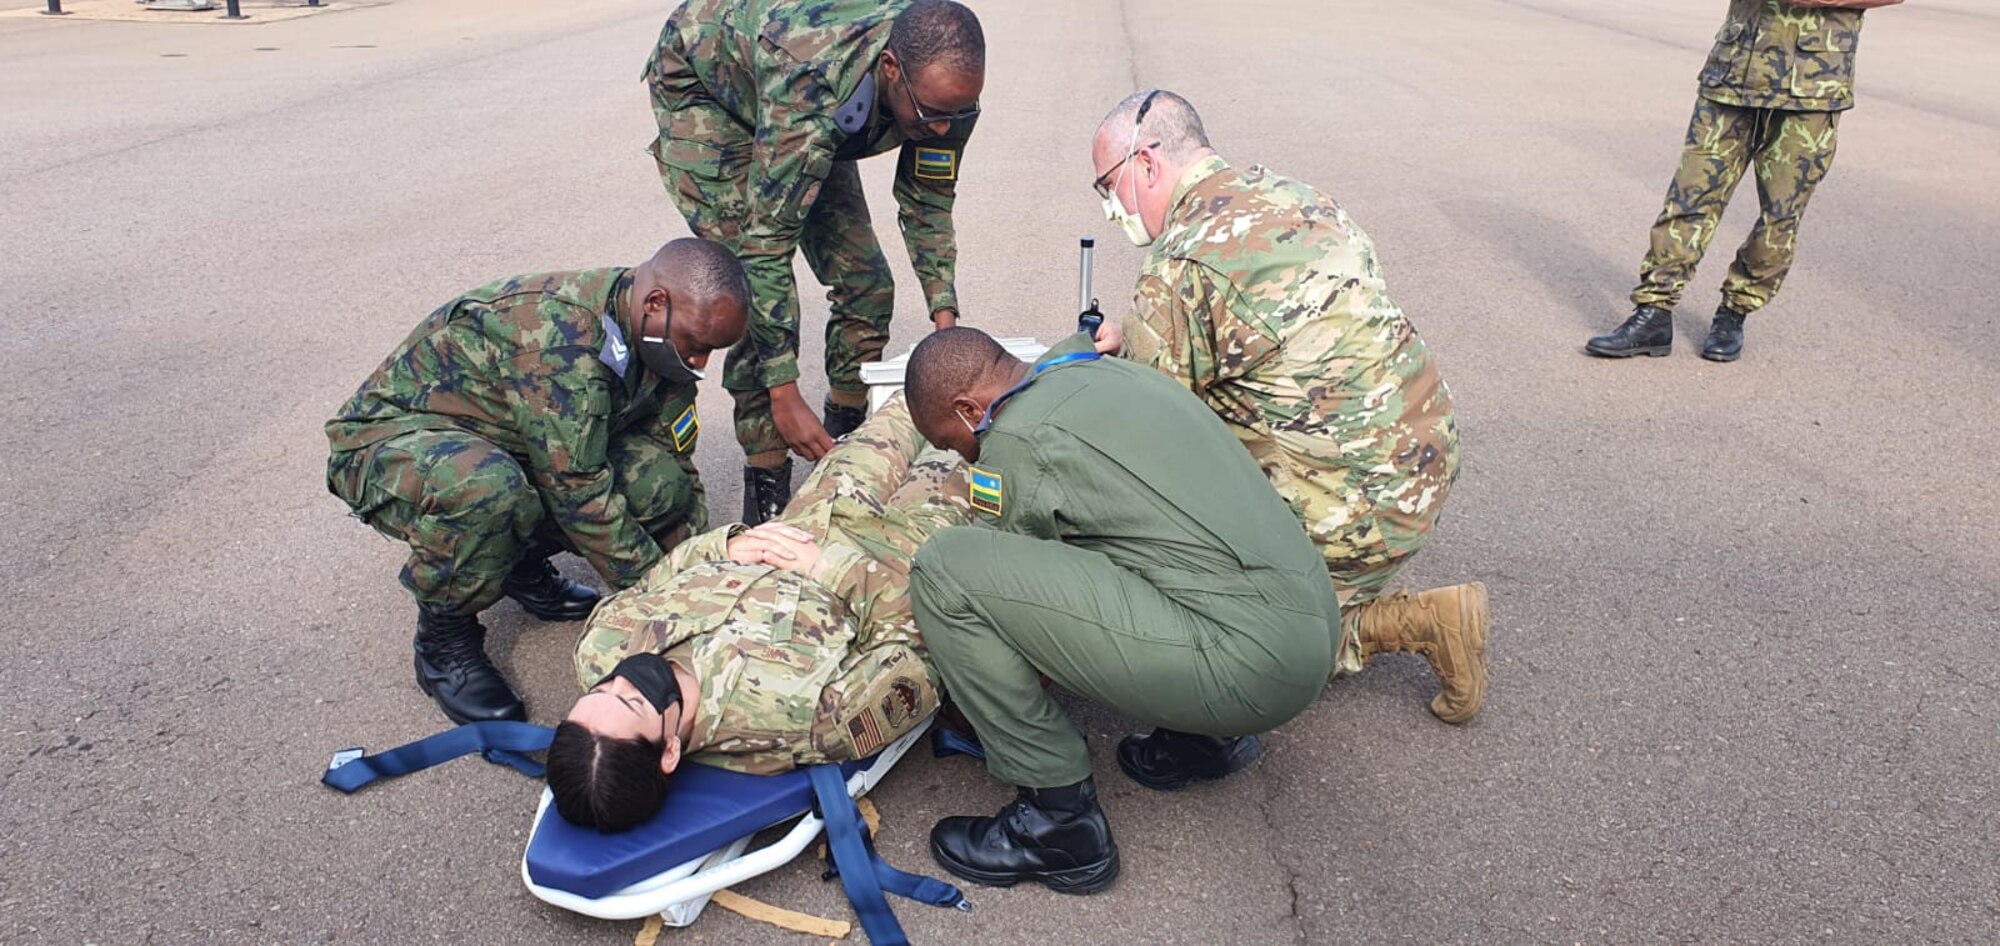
(800, 669)
(746, 92)
(1266, 301)
(1771, 97)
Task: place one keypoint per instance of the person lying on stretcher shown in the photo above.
(758, 650)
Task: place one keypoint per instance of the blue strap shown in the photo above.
(946, 742)
(986, 420)
(501, 743)
(862, 871)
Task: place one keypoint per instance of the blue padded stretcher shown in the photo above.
(694, 847)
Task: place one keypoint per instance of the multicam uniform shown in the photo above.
(764, 106)
(1771, 95)
(1266, 301)
(798, 669)
(515, 415)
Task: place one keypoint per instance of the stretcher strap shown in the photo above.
(863, 872)
(499, 742)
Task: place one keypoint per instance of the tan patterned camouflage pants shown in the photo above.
(1790, 152)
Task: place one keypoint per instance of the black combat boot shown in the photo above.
(765, 492)
(1725, 336)
(841, 421)
(1650, 331)
(452, 668)
(1054, 835)
(1169, 760)
(541, 592)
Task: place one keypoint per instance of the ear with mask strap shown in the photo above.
(657, 352)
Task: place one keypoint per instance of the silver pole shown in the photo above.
(1083, 302)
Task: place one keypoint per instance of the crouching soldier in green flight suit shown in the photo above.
(1127, 547)
(1776, 83)
(764, 107)
(788, 644)
(534, 414)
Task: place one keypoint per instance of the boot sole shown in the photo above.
(1075, 881)
(1654, 351)
(1242, 757)
(1474, 611)
(1718, 356)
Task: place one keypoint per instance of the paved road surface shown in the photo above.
(1745, 665)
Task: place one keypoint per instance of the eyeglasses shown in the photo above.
(1102, 185)
(926, 117)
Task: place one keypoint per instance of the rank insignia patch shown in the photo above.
(937, 164)
(686, 427)
(985, 491)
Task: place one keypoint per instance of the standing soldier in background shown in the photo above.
(1266, 301)
(1771, 95)
(539, 413)
(764, 107)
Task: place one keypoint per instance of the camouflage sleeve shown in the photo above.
(561, 402)
(791, 155)
(926, 188)
(1185, 324)
(881, 693)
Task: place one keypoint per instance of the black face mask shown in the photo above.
(662, 358)
(652, 676)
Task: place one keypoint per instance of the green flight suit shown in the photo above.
(763, 109)
(1129, 548)
(1771, 97)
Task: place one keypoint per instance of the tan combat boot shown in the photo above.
(1448, 627)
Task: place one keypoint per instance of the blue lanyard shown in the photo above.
(986, 419)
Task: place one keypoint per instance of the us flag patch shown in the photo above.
(985, 491)
(937, 164)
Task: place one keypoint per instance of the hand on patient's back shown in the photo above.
(1110, 338)
(777, 545)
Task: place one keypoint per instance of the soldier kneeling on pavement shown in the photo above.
(514, 422)
(1263, 298)
(757, 650)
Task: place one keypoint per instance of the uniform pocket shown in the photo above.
(1823, 67)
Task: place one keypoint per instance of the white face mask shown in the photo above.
(1114, 210)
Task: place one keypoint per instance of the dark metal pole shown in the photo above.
(312, 3)
(55, 9)
(235, 12)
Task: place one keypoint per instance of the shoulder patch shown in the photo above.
(685, 428)
(985, 493)
(937, 164)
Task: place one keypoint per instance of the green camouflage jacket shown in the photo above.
(1773, 54)
(539, 366)
(774, 73)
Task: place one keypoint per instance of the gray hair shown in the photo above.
(1168, 119)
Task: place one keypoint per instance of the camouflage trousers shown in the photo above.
(1791, 152)
(469, 514)
(704, 162)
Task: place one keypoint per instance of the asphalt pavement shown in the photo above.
(1745, 615)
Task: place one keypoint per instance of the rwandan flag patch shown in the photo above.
(985, 491)
(686, 427)
(937, 164)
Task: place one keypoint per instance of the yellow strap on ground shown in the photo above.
(781, 918)
(649, 932)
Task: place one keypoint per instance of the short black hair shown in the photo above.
(604, 783)
(706, 271)
(946, 363)
(939, 31)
